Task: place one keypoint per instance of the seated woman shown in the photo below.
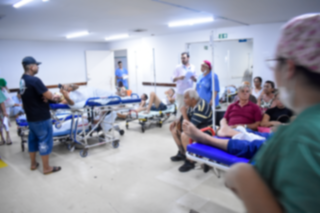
(277, 115)
(265, 100)
(155, 104)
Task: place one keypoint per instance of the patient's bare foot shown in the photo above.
(193, 132)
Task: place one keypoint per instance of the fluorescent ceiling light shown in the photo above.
(190, 22)
(79, 34)
(21, 3)
(117, 37)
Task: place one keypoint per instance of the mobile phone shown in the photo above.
(60, 86)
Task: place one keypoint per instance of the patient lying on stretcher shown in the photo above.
(75, 96)
(156, 104)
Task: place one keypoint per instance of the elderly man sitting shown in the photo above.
(199, 113)
(243, 112)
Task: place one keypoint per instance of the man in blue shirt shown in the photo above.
(204, 84)
(122, 75)
(35, 97)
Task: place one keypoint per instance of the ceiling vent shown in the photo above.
(139, 30)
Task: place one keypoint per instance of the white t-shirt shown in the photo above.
(256, 94)
(183, 85)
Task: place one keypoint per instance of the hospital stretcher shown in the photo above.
(96, 115)
(153, 117)
(216, 158)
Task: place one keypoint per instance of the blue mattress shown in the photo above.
(215, 154)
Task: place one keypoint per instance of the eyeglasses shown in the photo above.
(272, 63)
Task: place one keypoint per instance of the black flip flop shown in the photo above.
(37, 165)
(54, 169)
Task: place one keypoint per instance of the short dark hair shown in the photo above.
(271, 83)
(185, 53)
(259, 78)
(145, 95)
(119, 62)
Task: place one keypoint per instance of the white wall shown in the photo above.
(169, 47)
(62, 62)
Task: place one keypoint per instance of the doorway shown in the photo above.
(121, 56)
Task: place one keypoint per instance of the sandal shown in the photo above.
(9, 143)
(37, 165)
(54, 169)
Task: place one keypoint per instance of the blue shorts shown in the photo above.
(40, 137)
(161, 107)
(243, 148)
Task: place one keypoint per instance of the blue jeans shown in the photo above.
(40, 137)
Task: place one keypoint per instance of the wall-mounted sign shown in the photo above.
(242, 40)
(223, 36)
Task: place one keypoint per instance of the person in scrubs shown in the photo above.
(122, 75)
(204, 84)
(284, 175)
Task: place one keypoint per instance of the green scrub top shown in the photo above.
(2, 97)
(290, 163)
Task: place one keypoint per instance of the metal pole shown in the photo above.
(154, 70)
(213, 86)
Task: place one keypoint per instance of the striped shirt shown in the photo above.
(201, 114)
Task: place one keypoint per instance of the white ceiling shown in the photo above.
(54, 19)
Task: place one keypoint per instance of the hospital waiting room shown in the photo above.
(159, 106)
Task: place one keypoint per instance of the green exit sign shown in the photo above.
(223, 36)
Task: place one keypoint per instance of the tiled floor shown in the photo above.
(138, 177)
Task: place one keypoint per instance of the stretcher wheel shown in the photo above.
(127, 126)
(84, 153)
(160, 125)
(142, 129)
(115, 144)
(121, 132)
(22, 147)
(19, 132)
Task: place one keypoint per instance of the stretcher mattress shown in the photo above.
(170, 109)
(216, 154)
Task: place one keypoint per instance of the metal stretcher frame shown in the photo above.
(72, 138)
(23, 128)
(82, 137)
(218, 159)
(157, 119)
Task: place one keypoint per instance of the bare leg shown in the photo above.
(9, 142)
(45, 162)
(227, 131)
(33, 159)
(193, 132)
(3, 141)
(154, 99)
(176, 138)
